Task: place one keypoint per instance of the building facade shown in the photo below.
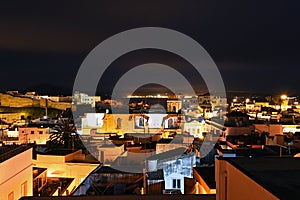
(15, 172)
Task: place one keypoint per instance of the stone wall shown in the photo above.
(8, 100)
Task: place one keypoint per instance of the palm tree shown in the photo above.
(64, 135)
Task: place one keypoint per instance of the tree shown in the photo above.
(64, 135)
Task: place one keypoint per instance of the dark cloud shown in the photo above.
(254, 43)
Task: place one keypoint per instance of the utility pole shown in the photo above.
(46, 107)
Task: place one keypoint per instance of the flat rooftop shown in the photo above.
(174, 153)
(58, 152)
(208, 175)
(109, 170)
(9, 151)
(280, 176)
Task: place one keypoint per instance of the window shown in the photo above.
(31, 132)
(11, 196)
(176, 183)
(24, 189)
(41, 132)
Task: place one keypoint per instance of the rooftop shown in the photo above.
(280, 176)
(208, 175)
(168, 154)
(9, 151)
(42, 124)
(156, 175)
(58, 152)
(109, 170)
(236, 114)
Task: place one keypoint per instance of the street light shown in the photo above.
(282, 98)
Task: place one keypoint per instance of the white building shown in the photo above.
(82, 98)
(175, 165)
(195, 128)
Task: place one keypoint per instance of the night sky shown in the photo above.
(255, 43)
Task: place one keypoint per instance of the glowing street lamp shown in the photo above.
(283, 97)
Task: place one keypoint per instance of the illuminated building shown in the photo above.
(15, 172)
(257, 178)
(35, 132)
(67, 164)
(174, 105)
(82, 98)
(176, 165)
(130, 123)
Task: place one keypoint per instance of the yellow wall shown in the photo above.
(14, 172)
(19, 102)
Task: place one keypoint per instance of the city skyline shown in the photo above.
(254, 44)
(129, 99)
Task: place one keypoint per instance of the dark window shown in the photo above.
(41, 132)
(178, 183)
(32, 132)
(174, 183)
